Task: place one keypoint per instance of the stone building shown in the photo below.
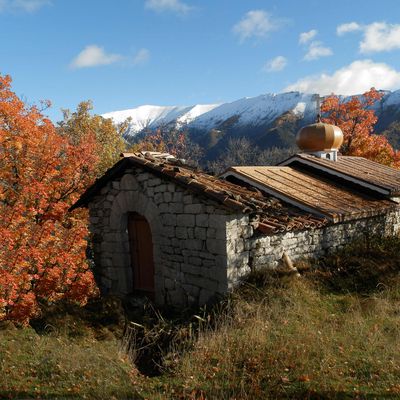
(182, 237)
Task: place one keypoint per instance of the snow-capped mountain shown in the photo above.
(267, 120)
(252, 111)
(152, 117)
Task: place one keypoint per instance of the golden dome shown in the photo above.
(319, 137)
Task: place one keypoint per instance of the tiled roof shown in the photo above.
(366, 172)
(268, 213)
(312, 193)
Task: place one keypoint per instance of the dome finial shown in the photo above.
(320, 139)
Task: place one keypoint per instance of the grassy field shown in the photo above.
(67, 355)
(333, 333)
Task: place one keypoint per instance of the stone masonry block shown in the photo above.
(181, 232)
(160, 188)
(144, 176)
(194, 208)
(168, 231)
(128, 182)
(217, 221)
(169, 219)
(194, 244)
(185, 220)
(163, 208)
(202, 220)
(200, 233)
(211, 233)
(177, 197)
(154, 182)
(221, 262)
(158, 198)
(205, 296)
(167, 197)
(195, 261)
(216, 246)
(176, 208)
(188, 199)
(192, 269)
(191, 290)
(247, 231)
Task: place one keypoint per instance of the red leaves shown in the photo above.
(42, 247)
(171, 141)
(357, 120)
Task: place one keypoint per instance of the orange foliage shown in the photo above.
(169, 141)
(42, 247)
(357, 120)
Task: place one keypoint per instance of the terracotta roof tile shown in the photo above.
(269, 215)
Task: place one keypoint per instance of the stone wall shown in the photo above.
(189, 238)
(246, 251)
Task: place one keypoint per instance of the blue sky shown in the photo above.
(125, 53)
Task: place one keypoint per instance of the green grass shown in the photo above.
(72, 353)
(42, 366)
(334, 333)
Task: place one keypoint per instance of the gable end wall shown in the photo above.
(189, 239)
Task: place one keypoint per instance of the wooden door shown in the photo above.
(141, 249)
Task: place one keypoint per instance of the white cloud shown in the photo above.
(177, 6)
(93, 56)
(141, 57)
(380, 36)
(349, 27)
(355, 78)
(317, 50)
(276, 64)
(255, 23)
(377, 37)
(307, 36)
(23, 5)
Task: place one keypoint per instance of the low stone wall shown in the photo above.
(246, 252)
(189, 238)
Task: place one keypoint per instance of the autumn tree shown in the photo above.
(168, 140)
(42, 173)
(80, 124)
(356, 118)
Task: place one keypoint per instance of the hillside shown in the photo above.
(268, 120)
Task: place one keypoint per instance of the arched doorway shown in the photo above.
(141, 253)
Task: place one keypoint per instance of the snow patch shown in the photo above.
(300, 108)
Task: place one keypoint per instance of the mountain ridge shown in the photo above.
(267, 120)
